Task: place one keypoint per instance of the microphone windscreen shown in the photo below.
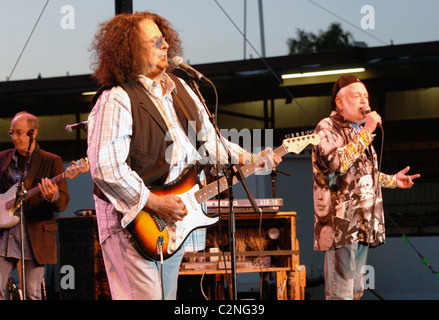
(176, 61)
(365, 110)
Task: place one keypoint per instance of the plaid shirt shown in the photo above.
(109, 132)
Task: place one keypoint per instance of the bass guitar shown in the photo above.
(7, 200)
(157, 240)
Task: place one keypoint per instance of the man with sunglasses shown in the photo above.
(138, 136)
(37, 166)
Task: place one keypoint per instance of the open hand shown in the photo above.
(404, 181)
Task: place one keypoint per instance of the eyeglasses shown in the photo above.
(157, 43)
(18, 133)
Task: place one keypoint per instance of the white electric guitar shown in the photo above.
(7, 200)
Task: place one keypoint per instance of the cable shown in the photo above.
(202, 277)
(216, 167)
(161, 274)
(160, 242)
(351, 24)
(261, 282)
(22, 51)
(266, 64)
(292, 98)
(377, 188)
(408, 242)
(405, 239)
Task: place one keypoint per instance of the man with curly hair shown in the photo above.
(138, 137)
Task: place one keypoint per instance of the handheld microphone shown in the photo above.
(30, 133)
(366, 110)
(74, 126)
(178, 63)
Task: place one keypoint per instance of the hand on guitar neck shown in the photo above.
(266, 160)
(48, 189)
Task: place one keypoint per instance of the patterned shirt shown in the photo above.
(348, 204)
(109, 132)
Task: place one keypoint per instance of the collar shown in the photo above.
(338, 118)
(15, 154)
(162, 79)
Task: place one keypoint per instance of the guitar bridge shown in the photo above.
(160, 223)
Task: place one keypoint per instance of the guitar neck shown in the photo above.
(35, 190)
(211, 190)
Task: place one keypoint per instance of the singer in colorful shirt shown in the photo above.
(348, 204)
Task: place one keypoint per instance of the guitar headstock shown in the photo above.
(296, 144)
(77, 167)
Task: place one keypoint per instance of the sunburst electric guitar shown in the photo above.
(157, 240)
(7, 200)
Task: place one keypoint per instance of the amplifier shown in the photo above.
(79, 248)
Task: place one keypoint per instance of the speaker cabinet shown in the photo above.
(81, 257)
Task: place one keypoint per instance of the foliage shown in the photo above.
(332, 39)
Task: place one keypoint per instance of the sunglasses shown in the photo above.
(158, 43)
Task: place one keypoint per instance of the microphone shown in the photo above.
(365, 111)
(30, 133)
(74, 126)
(178, 63)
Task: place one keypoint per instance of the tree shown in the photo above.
(332, 39)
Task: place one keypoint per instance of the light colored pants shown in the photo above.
(34, 274)
(343, 277)
(132, 277)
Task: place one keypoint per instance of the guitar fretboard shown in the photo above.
(211, 190)
(10, 203)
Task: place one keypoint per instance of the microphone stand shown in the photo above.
(273, 175)
(231, 173)
(19, 198)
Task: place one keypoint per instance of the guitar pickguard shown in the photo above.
(195, 219)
